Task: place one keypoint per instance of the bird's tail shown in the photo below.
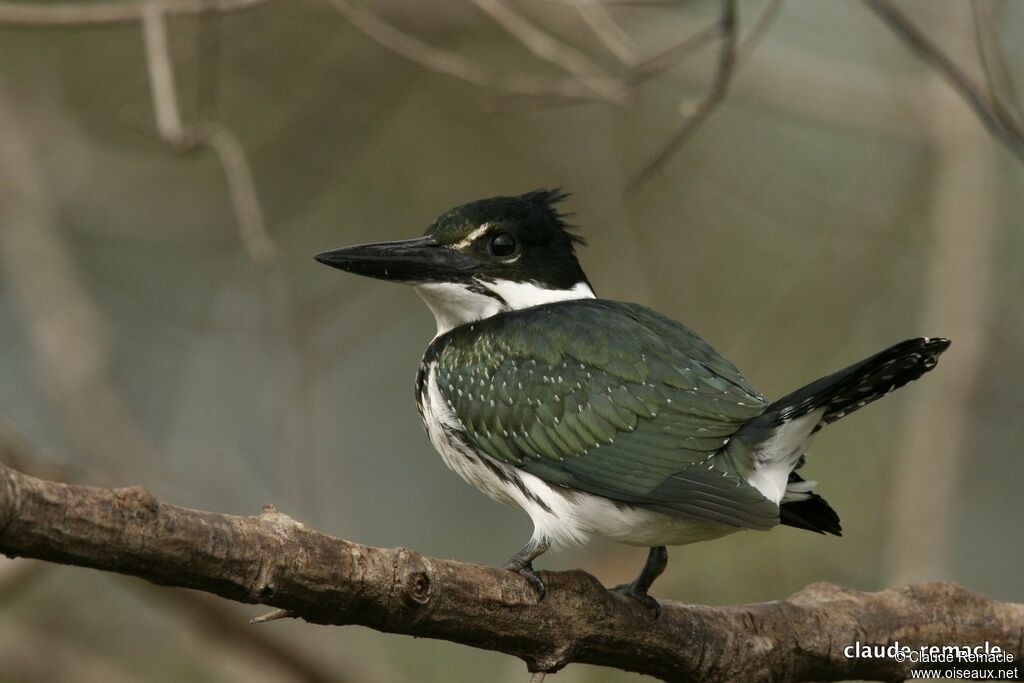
(852, 388)
(772, 445)
(804, 509)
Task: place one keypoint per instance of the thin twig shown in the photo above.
(225, 144)
(997, 74)
(672, 55)
(636, 3)
(152, 15)
(731, 57)
(727, 25)
(161, 75)
(551, 50)
(455, 65)
(1009, 132)
(81, 13)
(604, 27)
(242, 188)
(760, 27)
(676, 54)
(273, 615)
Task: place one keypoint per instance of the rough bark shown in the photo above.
(274, 560)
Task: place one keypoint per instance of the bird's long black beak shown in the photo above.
(417, 260)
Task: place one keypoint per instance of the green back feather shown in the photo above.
(608, 398)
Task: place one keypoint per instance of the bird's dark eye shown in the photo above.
(503, 245)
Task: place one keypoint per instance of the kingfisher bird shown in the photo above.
(599, 417)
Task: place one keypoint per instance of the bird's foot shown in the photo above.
(526, 571)
(522, 563)
(632, 590)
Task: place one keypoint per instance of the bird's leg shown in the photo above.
(657, 560)
(522, 564)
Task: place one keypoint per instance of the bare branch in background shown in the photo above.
(82, 13)
(640, 3)
(604, 27)
(764, 22)
(543, 46)
(727, 28)
(588, 81)
(1009, 131)
(241, 188)
(1000, 83)
(730, 57)
(225, 144)
(999, 111)
(676, 54)
(672, 55)
(272, 559)
(455, 65)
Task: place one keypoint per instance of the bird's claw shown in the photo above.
(530, 575)
(633, 591)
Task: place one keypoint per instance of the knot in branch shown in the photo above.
(412, 584)
(137, 501)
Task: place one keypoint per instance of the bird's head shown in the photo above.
(481, 258)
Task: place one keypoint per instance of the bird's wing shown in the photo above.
(611, 399)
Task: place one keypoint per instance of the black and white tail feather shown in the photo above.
(852, 388)
(808, 409)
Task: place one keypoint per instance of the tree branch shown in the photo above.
(1001, 89)
(602, 24)
(95, 13)
(274, 560)
(455, 65)
(543, 46)
(225, 144)
(709, 102)
(1003, 126)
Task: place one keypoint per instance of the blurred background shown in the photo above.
(167, 170)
